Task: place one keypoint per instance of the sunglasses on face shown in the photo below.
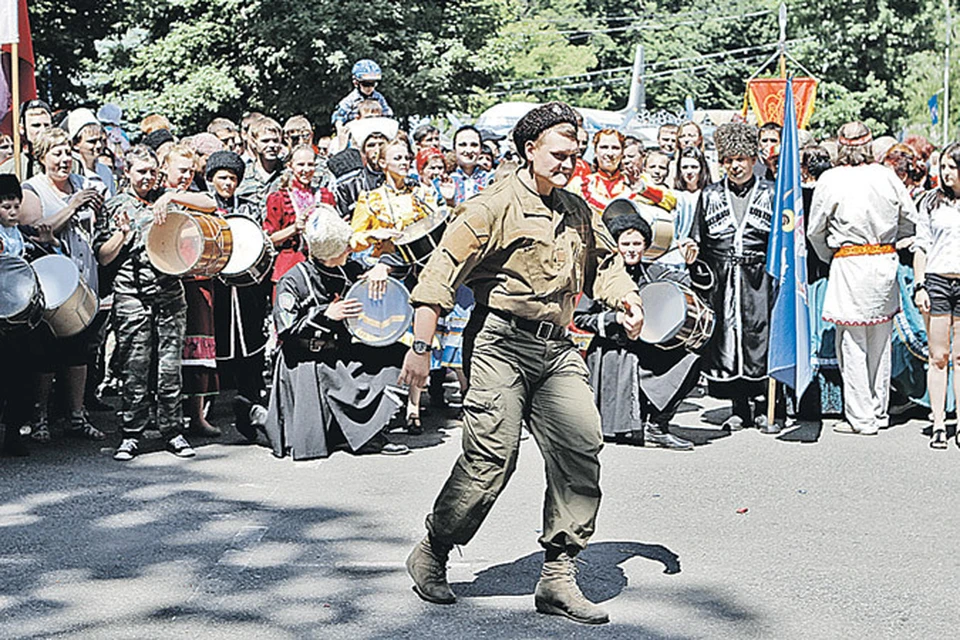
(369, 84)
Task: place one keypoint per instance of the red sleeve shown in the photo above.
(326, 197)
(274, 219)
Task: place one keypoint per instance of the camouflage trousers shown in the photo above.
(150, 341)
(516, 378)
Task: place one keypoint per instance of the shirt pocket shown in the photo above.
(556, 266)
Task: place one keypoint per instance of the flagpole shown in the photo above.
(15, 115)
(771, 382)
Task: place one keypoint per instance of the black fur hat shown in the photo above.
(618, 225)
(538, 120)
(225, 160)
(10, 187)
(155, 139)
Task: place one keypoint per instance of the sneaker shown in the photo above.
(258, 415)
(179, 447)
(127, 450)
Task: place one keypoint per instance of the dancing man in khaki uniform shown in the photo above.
(526, 247)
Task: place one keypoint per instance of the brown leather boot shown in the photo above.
(558, 594)
(427, 565)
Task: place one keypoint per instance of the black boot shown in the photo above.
(655, 435)
(742, 416)
(241, 414)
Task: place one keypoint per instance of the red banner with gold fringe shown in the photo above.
(766, 96)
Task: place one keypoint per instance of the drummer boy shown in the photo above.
(16, 393)
(12, 240)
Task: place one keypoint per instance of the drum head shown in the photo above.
(664, 311)
(175, 246)
(383, 321)
(422, 227)
(19, 285)
(59, 278)
(247, 245)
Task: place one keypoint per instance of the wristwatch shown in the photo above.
(919, 286)
(420, 347)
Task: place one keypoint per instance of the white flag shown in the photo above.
(9, 22)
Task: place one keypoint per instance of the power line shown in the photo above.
(620, 79)
(512, 84)
(651, 15)
(646, 25)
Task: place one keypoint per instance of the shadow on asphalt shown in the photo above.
(699, 436)
(102, 549)
(155, 548)
(600, 575)
(805, 431)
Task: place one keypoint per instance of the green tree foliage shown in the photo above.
(192, 59)
(64, 36)
(862, 50)
(878, 60)
(579, 39)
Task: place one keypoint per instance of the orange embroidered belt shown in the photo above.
(849, 250)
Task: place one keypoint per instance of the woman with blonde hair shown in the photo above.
(58, 199)
(379, 218)
(607, 181)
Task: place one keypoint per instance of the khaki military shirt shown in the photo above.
(525, 254)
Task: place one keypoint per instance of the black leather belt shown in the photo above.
(542, 329)
(314, 345)
(752, 257)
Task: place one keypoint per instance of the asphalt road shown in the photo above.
(843, 537)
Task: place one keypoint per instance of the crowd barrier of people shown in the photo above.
(258, 258)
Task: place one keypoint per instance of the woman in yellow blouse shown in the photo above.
(379, 218)
(381, 214)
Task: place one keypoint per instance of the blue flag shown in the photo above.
(934, 104)
(788, 358)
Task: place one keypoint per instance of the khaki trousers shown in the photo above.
(515, 378)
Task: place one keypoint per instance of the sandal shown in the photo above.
(40, 432)
(80, 427)
(414, 427)
(939, 439)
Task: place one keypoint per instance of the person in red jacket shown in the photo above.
(289, 206)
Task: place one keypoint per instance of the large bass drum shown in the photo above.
(70, 303)
(383, 321)
(21, 298)
(660, 221)
(251, 259)
(674, 316)
(189, 243)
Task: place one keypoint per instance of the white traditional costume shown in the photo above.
(857, 215)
